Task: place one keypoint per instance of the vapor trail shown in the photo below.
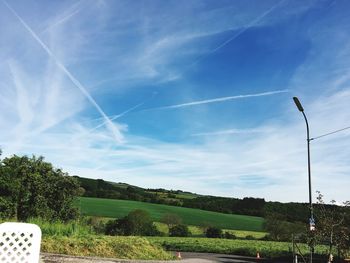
(193, 103)
(240, 32)
(116, 133)
(252, 23)
(232, 131)
(112, 118)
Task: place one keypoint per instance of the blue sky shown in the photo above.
(191, 95)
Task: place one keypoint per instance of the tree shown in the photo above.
(213, 232)
(33, 188)
(136, 223)
(281, 230)
(171, 220)
(179, 231)
(332, 225)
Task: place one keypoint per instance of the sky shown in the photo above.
(193, 95)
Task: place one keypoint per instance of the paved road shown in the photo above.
(186, 258)
(223, 258)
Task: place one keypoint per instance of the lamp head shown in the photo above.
(297, 102)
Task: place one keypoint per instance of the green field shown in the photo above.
(266, 249)
(118, 208)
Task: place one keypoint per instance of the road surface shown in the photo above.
(186, 257)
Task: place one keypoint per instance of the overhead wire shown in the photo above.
(330, 133)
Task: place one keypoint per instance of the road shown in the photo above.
(186, 257)
(223, 258)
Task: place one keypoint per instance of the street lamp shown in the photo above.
(311, 219)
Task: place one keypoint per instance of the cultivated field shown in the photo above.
(118, 208)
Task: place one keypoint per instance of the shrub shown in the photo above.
(179, 231)
(31, 187)
(136, 223)
(228, 235)
(213, 232)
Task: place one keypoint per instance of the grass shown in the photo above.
(105, 246)
(118, 208)
(73, 228)
(198, 232)
(267, 249)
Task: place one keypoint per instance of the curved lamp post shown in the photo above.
(311, 219)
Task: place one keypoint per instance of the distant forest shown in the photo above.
(292, 212)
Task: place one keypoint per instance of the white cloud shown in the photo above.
(40, 109)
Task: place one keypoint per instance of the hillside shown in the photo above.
(247, 206)
(119, 208)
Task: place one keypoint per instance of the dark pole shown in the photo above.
(311, 219)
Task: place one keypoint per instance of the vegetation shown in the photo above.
(31, 187)
(179, 231)
(171, 220)
(213, 232)
(136, 223)
(281, 230)
(332, 227)
(120, 208)
(104, 246)
(32, 190)
(267, 249)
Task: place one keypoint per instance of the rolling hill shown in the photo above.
(119, 208)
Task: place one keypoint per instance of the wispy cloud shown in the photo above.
(233, 131)
(71, 12)
(44, 113)
(115, 131)
(221, 99)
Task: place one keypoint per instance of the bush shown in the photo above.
(136, 223)
(179, 231)
(228, 235)
(213, 232)
(96, 224)
(31, 187)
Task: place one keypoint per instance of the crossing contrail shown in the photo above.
(116, 133)
(221, 99)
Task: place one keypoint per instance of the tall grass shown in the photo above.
(62, 229)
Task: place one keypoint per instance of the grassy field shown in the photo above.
(198, 232)
(267, 249)
(119, 208)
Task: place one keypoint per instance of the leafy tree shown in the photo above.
(179, 231)
(281, 230)
(33, 188)
(171, 220)
(136, 223)
(213, 232)
(332, 226)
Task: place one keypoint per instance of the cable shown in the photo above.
(329, 133)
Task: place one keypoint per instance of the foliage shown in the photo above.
(119, 208)
(105, 246)
(171, 219)
(179, 231)
(213, 232)
(229, 235)
(31, 187)
(332, 226)
(136, 223)
(96, 224)
(281, 230)
(62, 229)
